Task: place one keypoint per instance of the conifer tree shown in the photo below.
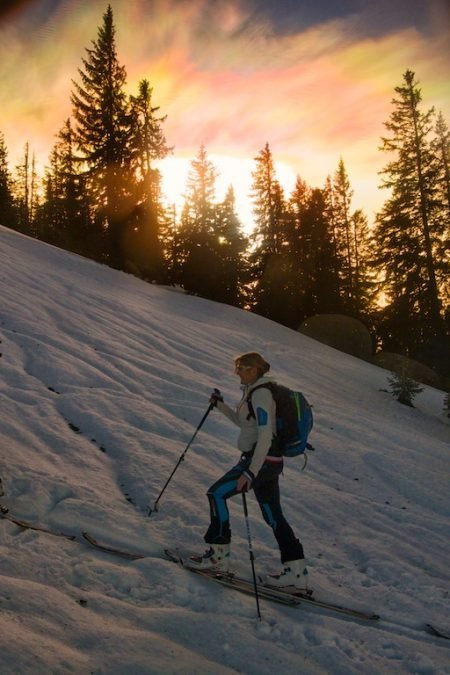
(200, 195)
(102, 133)
(410, 175)
(8, 214)
(65, 213)
(363, 278)
(312, 245)
(53, 225)
(148, 143)
(26, 193)
(170, 242)
(208, 243)
(404, 388)
(342, 196)
(441, 148)
(197, 252)
(331, 217)
(271, 266)
(408, 233)
(300, 238)
(268, 201)
(351, 244)
(230, 245)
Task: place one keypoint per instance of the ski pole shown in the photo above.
(250, 550)
(155, 505)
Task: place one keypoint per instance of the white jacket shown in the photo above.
(254, 433)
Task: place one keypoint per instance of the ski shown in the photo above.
(438, 631)
(291, 599)
(128, 555)
(26, 525)
(310, 599)
(271, 594)
(229, 580)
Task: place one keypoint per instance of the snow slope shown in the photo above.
(103, 381)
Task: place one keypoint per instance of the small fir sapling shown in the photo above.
(404, 388)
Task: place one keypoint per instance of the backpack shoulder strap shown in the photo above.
(251, 410)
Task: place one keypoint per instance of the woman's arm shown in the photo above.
(228, 412)
(264, 407)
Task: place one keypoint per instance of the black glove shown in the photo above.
(215, 396)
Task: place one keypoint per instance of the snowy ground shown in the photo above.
(103, 381)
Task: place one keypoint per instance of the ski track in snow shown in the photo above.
(104, 379)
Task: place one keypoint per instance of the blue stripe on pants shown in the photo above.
(219, 530)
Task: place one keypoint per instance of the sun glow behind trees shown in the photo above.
(235, 171)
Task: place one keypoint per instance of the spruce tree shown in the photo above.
(411, 177)
(407, 233)
(311, 242)
(8, 216)
(268, 204)
(65, 213)
(102, 134)
(26, 193)
(364, 284)
(271, 265)
(196, 247)
(148, 144)
(208, 244)
(53, 225)
(351, 244)
(404, 388)
(169, 228)
(441, 148)
(342, 196)
(201, 194)
(230, 244)
(330, 214)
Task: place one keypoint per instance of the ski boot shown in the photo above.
(215, 559)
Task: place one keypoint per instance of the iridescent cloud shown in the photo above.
(228, 80)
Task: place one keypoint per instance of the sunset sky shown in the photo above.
(313, 78)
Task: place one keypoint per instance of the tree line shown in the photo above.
(309, 252)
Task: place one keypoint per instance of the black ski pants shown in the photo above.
(267, 492)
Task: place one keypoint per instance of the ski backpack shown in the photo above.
(294, 418)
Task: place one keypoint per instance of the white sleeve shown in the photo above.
(228, 412)
(264, 407)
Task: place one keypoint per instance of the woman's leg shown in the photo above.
(267, 492)
(219, 531)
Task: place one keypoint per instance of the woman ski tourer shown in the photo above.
(259, 469)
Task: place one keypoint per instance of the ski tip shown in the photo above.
(437, 631)
(173, 555)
